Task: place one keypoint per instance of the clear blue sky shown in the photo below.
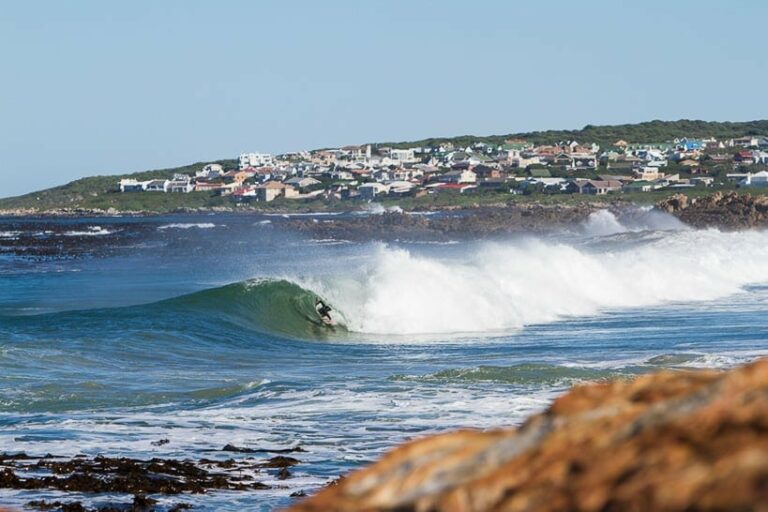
(94, 87)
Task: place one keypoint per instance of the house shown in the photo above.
(255, 160)
(181, 183)
(746, 156)
(156, 186)
(271, 190)
(746, 142)
(132, 185)
(371, 190)
(302, 183)
(638, 186)
(599, 188)
(647, 173)
(758, 179)
(400, 187)
(402, 156)
(458, 176)
(210, 171)
(486, 172)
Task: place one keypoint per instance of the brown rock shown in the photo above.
(669, 441)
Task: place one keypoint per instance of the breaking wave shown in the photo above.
(492, 288)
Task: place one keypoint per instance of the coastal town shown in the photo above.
(517, 166)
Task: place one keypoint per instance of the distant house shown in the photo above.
(210, 171)
(156, 186)
(181, 183)
(458, 176)
(758, 179)
(599, 188)
(746, 142)
(302, 183)
(647, 173)
(638, 186)
(371, 190)
(271, 190)
(132, 185)
(255, 160)
(486, 172)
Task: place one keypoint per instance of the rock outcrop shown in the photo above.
(668, 441)
(722, 210)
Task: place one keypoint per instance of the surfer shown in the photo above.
(324, 311)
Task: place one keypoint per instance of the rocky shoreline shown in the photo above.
(675, 440)
(729, 211)
(130, 481)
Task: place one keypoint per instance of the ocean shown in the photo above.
(118, 333)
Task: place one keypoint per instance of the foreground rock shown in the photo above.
(722, 210)
(669, 441)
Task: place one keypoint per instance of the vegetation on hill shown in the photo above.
(101, 192)
(650, 131)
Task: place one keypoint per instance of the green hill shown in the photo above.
(101, 192)
(650, 131)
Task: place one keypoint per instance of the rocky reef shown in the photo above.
(479, 222)
(722, 210)
(694, 440)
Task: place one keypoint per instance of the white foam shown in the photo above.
(505, 286)
(188, 225)
(91, 231)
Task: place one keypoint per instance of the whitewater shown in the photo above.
(203, 333)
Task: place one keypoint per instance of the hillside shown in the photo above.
(650, 131)
(100, 192)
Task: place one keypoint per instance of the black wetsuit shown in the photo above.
(323, 310)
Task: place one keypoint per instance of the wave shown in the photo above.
(273, 306)
(606, 223)
(91, 231)
(504, 286)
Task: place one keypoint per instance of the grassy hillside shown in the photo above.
(102, 192)
(650, 131)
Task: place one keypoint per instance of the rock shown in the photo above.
(721, 210)
(668, 441)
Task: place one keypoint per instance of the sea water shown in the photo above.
(200, 330)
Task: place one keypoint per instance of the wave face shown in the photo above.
(274, 306)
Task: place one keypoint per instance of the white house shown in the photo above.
(210, 171)
(758, 179)
(465, 176)
(255, 160)
(132, 185)
(180, 183)
(402, 156)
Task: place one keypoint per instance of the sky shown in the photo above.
(94, 87)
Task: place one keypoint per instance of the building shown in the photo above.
(271, 190)
(458, 176)
(210, 171)
(758, 179)
(255, 160)
(181, 183)
(132, 185)
(402, 156)
(371, 190)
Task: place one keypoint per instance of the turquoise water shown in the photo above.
(200, 330)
